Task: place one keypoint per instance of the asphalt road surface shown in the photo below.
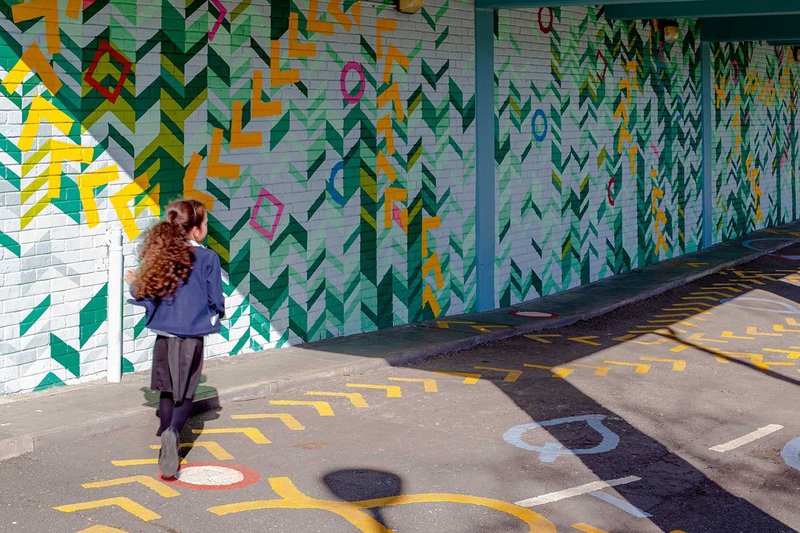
(676, 414)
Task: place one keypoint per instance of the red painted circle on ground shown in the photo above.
(533, 314)
(213, 476)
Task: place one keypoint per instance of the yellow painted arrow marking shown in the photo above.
(87, 183)
(212, 447)
(752, 330)
(323, 408)
(587, 339)
(102, 529)
(707, 292)
(429, 384)
(730, 335)
(126, 504)
(189, 179)
(692, 306)
(511, 375)
(681, 322)
(258, 107)
(215, 168)
(792, 322)
(675, 315)
(392, 391)
(729, 287)
(239, 138)
(624, 338)
(429, 299)
(599, 370)
(139, 462)
(32, 60)
(356, 398)
(445, 324)
(586, 528)
(542, 338)
(757, 360)
(701, 337)
(694, 298)
(162, 489)
(42, 109)
(487, 328)
(469, 379)
(254, 434)
(640, 367)
(678, 365)
(784, 329)
(696, 265)
(558, 372)
(288, 420)
(790, 354)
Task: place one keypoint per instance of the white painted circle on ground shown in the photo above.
(210, 475)
(533, 314)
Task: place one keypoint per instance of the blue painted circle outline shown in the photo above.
(791, 453)
(543, 136)
(336, 195)
(549, 452)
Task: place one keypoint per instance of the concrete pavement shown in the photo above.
(32, 421)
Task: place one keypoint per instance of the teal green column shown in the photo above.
(485, 164)
(706, 109)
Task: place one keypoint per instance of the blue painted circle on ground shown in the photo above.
(549, 451)
(791, 453)
(749, 243)
(536, 135)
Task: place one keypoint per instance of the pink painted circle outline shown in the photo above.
(250, 477)
(521, 314)
(352, 65)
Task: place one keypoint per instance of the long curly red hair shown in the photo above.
(166, 257)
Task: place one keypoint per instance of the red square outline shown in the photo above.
(104, 48)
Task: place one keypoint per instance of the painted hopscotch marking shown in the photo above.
(594, 486)
(760, 433)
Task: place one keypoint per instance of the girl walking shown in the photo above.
(179, 283)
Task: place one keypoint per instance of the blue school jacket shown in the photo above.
(197, 306)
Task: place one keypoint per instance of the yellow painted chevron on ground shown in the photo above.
(254, 434)
(162, 489)
(429, 384)
(126, 504)
(356, 398)
(322, 408)
(214, 448)
(511, 375)
(392, 391)
(469, 378)
(288, 420)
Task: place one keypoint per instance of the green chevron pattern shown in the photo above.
(755, 123)
(333, 213)
(598, 149)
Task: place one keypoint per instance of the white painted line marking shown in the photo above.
(576, 491)
(619, 503)
(760, 433)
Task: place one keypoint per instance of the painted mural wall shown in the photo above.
(598, 149)
(333, 142)
(755, 148)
